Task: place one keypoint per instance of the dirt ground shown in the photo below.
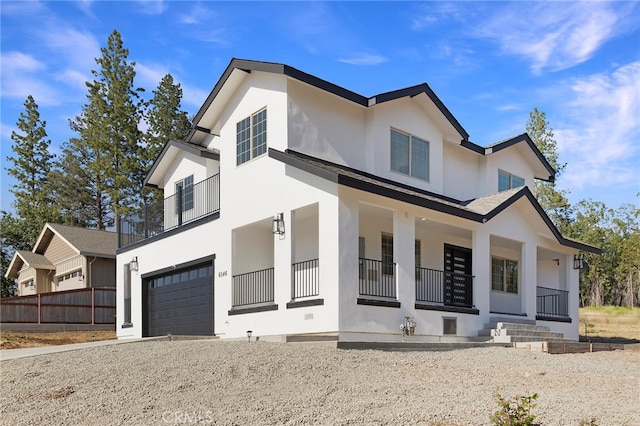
(15, 340)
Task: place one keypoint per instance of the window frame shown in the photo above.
(254, 137)
(187, 193)
(411, 155)
(511, 177)
(506, 275)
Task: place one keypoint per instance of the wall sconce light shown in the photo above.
(578, 261)
(557, 261)
(249, 333)
(133, 265)
(278, 224)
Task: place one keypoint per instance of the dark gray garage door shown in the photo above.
(180, 302)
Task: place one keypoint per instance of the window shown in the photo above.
(185, 186)
(387, 254)
(507, 181)
(409, 155)
(127, 295)
(251, 137)
(504, 275)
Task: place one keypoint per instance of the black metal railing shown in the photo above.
(377, 278)
(449, 288)
(552, 302)
(252, 288)
(305, 279)
(187, 205)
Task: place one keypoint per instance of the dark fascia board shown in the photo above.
(524, 137)
(424, 88)
(299, 163)
(275, 68)
(525, 192)
(297, 160)
(473, 147)
(185, 146)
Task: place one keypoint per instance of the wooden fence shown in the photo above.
(83, 306)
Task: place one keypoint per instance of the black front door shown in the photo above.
(457, 276)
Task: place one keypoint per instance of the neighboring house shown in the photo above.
(296, 206)
(65, 258)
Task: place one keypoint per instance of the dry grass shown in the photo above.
(14, 340)
(610, 322)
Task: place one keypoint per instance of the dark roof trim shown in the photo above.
(196, 150)
(472, 146)
(524, 137)
(275, 68)
(191, 263)
(424, 88)
(362, 181)
(297, 160)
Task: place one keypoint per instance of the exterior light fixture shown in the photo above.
(278, 224)
(249, 333)
(133, 265)
(578, 262)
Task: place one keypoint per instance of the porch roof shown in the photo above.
(480, 209)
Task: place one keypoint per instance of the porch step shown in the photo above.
(300, 338)
(515, 326)
(518, 331)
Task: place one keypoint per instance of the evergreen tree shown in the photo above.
(107, 164)
(553, 201)
(165, 121)
(32, 164)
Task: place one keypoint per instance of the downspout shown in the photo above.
(90, 272)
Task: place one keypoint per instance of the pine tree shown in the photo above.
(553, 201)
(107, 164)
(165, 121)
(32, 165)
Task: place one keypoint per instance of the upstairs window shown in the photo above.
(186, 187)
(251, 137)
(507, 181)
(504, 275)
(409, 155)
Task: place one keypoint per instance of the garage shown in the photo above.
(179, 301)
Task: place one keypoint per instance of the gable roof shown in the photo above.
(481, 209)
(86, 242)
(168, 153)
(22, 257)
(247, 66)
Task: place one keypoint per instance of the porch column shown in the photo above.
(282, 249)
(329, 255)
(529, 278)
(347, 251)
(404, 236)
(573, 286)
(481, 265)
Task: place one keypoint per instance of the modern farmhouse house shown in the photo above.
(65, 258)
(298, 207)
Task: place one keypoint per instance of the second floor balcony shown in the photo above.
(187, 205)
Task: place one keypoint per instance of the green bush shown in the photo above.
(515, 411)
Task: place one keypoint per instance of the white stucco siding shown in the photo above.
(510, 160)
(462, 173)
(184, 165)
(325, 126)
(407, 116)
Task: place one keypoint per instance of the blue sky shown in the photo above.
(490, 63)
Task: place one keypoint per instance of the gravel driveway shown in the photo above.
(241, 383)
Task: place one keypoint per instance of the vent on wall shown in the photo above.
(449, 326)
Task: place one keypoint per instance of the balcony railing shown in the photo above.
(187, 205)
(448, 288)
(305, 279)
(377, 278)
(551, 302)
(252, 288)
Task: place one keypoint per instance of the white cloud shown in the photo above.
(599, 139)
(193, 96)
(152, 7)
(364, 59)
(557, 35)
(149, 75)
(21, 78)
(78, 49)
